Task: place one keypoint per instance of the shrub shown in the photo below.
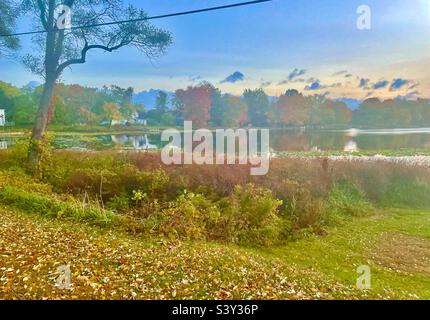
(348, 199)
(187, 218)
(250, 216)
(306, 212)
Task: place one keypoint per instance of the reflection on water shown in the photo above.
(280, 140)
(402, 131)
(351, 146)
(136, 142)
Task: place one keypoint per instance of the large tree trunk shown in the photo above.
(41, 124)
(53, 51)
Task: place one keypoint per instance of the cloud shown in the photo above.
(266, 83)
(369, 94)
(294, 76)
(364, 82)
(349, 75)
(410, 96)
(380, 84)
(398, 83)
(234, 77)
(339, 73)
(413, 86)
(313, 86)
(194, 78)
(296, 73)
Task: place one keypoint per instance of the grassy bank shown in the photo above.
(131, 227)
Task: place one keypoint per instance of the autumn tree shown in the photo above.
(293, 110)
(258, 106)
(342, 114)
(111, 112)
(88, 117)
(230, 111)
(195, 103)
(59, 48)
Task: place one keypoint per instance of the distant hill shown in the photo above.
(32, 85)
(353, 104)
(149, 97)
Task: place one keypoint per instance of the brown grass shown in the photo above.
(404, 253)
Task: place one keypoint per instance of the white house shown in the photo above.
(2, 118)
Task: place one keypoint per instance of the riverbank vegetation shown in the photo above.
(212, 202)
(300, 232)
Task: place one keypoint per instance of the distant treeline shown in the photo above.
(206, 106)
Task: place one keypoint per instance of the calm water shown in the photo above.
(280, 140)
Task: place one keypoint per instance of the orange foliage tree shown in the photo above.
(196, 104)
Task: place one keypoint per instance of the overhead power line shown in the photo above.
(176, 14)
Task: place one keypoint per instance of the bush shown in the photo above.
(348, 199)
(189, 217)
(250, 217)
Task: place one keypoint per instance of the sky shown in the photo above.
(313, 46)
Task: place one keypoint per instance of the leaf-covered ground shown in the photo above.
(111, 265)
(108, 265)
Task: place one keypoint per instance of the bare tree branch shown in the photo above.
(84, 52)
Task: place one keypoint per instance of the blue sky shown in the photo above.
(310, 45)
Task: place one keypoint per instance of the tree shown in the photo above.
(61, 48)
(7, 24)
(342, 114)
(161, 102)
(160, 111)
(195, 103)
(111, 112)
(258, 106)
(88, 117)
(292, 93)
(217, 108)
(230, 111)
(294, 110)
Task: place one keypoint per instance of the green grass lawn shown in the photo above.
(395, 245)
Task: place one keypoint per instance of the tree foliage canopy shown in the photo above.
(7, 24)
(73, 45)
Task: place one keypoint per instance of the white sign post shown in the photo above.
(2, 118)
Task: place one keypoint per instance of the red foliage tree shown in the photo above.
(294, 110)
(196, 104)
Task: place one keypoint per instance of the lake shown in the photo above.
(280, 140)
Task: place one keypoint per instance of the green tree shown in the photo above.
(258, 106)
(7, 25)
(111, 112)
(230, 111)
